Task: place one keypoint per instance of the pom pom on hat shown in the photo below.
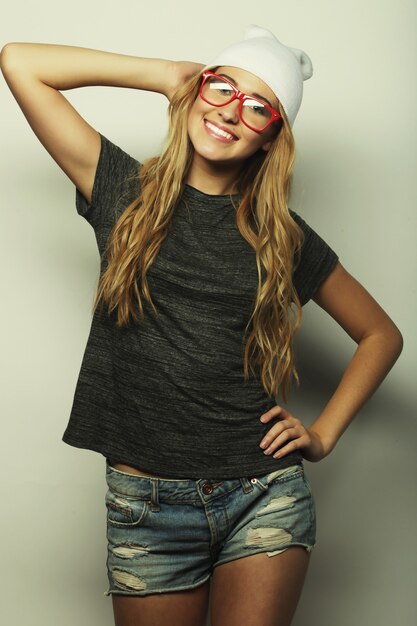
(282, 68)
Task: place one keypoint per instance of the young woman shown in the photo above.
(204, 270)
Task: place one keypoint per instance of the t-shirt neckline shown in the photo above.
(201, 196)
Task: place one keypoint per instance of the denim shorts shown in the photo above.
(168, 535)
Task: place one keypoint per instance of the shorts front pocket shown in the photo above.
(281, 475)
(285, 474)
(125, 512)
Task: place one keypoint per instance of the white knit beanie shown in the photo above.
(282, 68)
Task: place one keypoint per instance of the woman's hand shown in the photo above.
(289, 434)
(179, 73)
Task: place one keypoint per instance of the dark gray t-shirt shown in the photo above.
(168, 395)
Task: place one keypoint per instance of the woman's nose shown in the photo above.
(230, 112)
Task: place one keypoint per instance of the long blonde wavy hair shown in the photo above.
(262, 218)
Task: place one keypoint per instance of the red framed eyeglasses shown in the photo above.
(255, 114)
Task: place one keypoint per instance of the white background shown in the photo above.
(354, 183)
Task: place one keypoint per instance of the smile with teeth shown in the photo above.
(219, 131)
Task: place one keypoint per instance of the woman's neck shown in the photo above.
(213, 179)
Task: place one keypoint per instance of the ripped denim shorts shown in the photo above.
(168, 535)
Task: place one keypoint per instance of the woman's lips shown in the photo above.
(219, 133)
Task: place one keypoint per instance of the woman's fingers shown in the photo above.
(293, 445)
(276, 410)
(274, 441)
(274, 431)
(288, 434)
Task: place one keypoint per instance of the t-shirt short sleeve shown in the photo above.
(115, 186)
(316, 262)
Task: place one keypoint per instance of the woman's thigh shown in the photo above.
(261, 568)
(259, 590)
(182, 608)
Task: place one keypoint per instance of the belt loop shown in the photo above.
(246, 485)
(154, 495)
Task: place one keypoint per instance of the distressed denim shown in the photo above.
(168, 535)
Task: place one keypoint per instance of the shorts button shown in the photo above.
(207, 489)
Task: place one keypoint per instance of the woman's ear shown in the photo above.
(267, 145)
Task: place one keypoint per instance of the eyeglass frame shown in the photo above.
(239, 95)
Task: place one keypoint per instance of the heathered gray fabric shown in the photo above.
(168, 395)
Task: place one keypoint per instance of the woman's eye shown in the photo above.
(221, 88)
(226, 91)
(257, 108)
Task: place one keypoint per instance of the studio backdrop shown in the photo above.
(354, 183)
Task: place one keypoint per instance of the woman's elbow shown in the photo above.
(9, 56)
(398, 340)
(6, 56)
(393, 339)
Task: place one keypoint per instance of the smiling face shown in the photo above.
(218, 135)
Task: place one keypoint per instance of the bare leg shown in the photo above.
(178, 608)
(259, 590)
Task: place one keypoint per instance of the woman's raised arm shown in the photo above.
(37, 73)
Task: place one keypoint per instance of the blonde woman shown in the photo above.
(204, 272)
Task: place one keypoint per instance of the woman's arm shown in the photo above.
(379, 346)
(36, 73)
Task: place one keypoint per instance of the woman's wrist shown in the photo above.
(178, 73)
(320, 446)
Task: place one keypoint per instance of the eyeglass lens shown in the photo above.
(218, 92)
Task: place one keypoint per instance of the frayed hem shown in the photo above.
(149, 592)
